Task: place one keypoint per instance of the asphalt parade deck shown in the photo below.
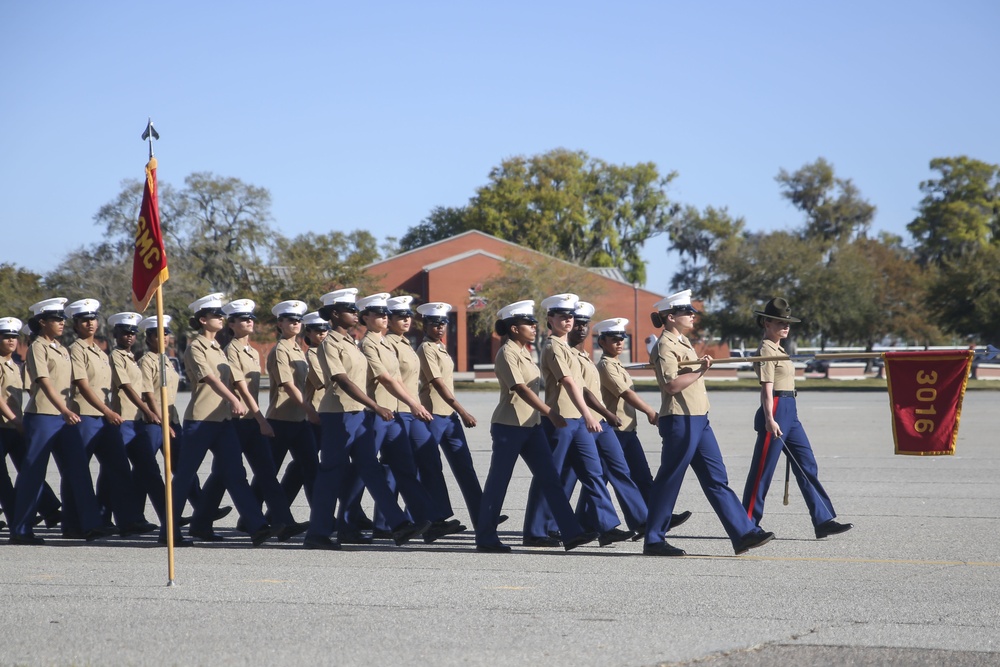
(916, 582)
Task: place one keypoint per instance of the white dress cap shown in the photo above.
(10, 326)
(399, 304)
(240, 308)
(151, 323)
(613, 327)
(83, 308)
(378, 302)
(346, 295)
(54, 305)
(210, 301)
(25, 330)
(522, 309)
(678, 300)
(584, 311)
(560, 303)
(292, 309)
(313, 319)
(437, 310)
(127, 320)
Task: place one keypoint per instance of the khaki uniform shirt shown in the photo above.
(665, 358)
(244, 361)
(314, 379)
(11, 389)
(47, 360)
(91, 364)
(435, 362)
(615, 381)
(513, 366)
(589, 378)
(286, 363)
(382, 360)
(124, 370)
(339, 355)
(409, 366)
(781, 373)
(557, 362)
(204, 358)
(150, 367)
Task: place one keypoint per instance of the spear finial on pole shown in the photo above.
(150, 134)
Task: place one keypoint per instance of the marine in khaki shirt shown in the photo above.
(409, 366)
(286, 364)
(670, 350)
(315, 387)
(513, 366)
(203, 358)
(590, 379)
(781, 373)
(11, 390)
(244, 362)
(382, 360)
(558, 361)
(149, 365)
(435, 363)
(125, 371)
(91, 364)
(339, 355)
(47, 359)
(615, 381)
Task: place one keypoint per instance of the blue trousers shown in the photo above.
(638, 464)
(689, 441)
(448, 434)
(297, 437)
(115, 490)
(797, 448)
(257, 450)
(153, 433)
(13, 442)
(530, 443)
(616, 472)
(574, 446)
(222, 440)
(45, 435)
(7, 498)
(427, 458)
(146, 477)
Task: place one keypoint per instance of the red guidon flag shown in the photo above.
(149, 268)
(925, 391)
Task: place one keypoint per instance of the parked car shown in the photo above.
(817, 366)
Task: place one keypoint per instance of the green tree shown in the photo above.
(834, 209)
(19, 288)
(698, 238)
(965, 298)
(960, 211)
(565, 204)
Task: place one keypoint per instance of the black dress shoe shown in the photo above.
(264, 533)
(493, 548)
(320, 542)
(3, 524)
(206, 535)
(380, 534)
(408, 530)
(640, 533)
(291, 530)
(678, 519)
(139, 528)
(502, 518)
(26, 539)
(52, 520)
(183, 521)
(832, 527)
(753, 540)
(555, 534)
(661, 549)
(614, 535)
(543, 542)
(353, 537)
(99, 533)
(364, 523)
(580, 540)
(440, 529)
(223, 512)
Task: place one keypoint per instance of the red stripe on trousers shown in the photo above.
(761, 463)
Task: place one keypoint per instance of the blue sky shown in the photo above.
(367, 115)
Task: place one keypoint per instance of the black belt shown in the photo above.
(785, 394)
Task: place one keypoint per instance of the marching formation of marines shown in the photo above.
(374, 416)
